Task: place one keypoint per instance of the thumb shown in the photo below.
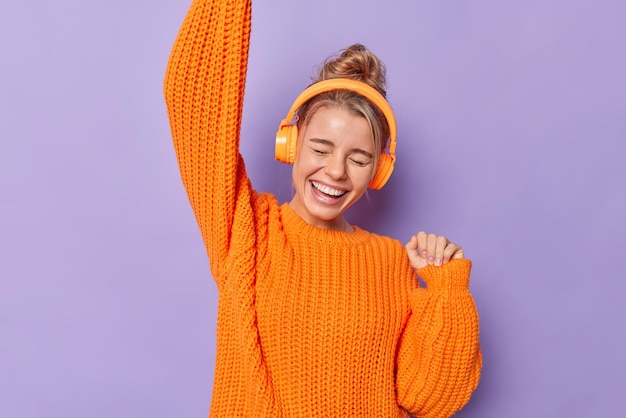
(415, 259)
(412, 244)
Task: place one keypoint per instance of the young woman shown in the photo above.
(316, 317)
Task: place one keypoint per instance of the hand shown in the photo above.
(430, 249)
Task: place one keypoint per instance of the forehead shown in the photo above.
(340, 126)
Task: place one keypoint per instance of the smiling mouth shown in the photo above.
(328, 191)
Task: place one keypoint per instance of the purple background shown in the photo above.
(511, 141)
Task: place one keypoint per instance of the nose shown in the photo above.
(336, 167)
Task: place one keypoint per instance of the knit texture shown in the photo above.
(311, 322)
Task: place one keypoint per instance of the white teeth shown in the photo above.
(327, 190)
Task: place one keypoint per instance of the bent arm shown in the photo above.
(439, 358)
(204, 90)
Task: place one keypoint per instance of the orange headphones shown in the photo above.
(287, 135)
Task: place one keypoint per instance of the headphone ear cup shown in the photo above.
(292, 144)
(286, 140)
(383, 172)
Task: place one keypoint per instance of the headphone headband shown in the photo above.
(286, 137)
(359, 87)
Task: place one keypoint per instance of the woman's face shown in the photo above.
(333, 167)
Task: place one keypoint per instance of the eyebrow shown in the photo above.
(332, 144)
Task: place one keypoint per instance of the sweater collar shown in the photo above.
(297, 228)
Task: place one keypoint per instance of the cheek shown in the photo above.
(368, 174)
(307, 162)
(301, 168)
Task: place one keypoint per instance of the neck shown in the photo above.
(339, 224)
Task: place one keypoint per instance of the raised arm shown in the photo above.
(204, 90)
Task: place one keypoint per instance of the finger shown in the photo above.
(441, 244)
(431, 248)
(459, 253)
(449, 252)
(422, 243)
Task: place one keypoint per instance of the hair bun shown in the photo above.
(355, 62)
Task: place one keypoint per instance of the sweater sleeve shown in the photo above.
(204, 90)
(439, 358)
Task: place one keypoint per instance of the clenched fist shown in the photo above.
(430, 249)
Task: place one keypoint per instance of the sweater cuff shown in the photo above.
(454, 274)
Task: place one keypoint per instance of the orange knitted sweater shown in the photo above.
(311, 322)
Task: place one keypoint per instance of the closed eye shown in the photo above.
(359, 163)
(319, 151)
